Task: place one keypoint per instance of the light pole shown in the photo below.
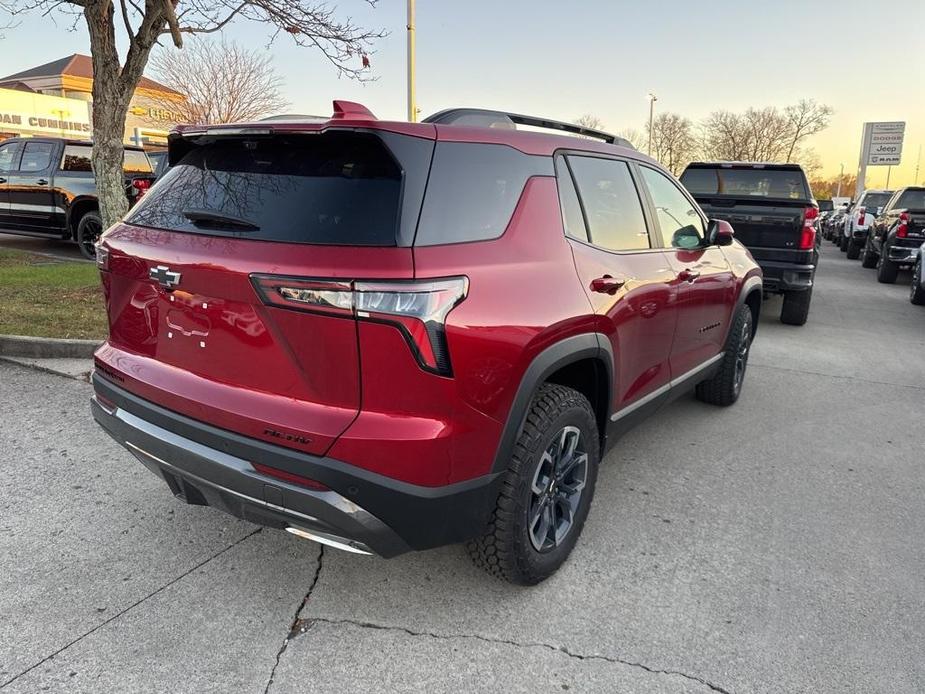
(652, 100)
(841, 175)
(412, 108)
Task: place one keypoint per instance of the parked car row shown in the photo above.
(886, 230)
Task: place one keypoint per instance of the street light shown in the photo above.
(412, 109)
(652, 100)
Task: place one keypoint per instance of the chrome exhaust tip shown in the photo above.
(330, 540)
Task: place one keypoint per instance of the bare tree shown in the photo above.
(805, 118)
(634, 137)
(673, 141)
(221, 82)
(765, 134)
(589, 120)
(311, 23)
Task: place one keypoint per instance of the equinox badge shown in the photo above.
(164, 276)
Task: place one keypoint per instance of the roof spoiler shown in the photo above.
(486, 118)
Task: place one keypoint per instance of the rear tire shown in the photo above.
(887, 270)
(917, 294)
(843, 243)
(795, 310)
(89, 230)
(854, 250)
(724, 387)
(514, 549)
(868, 259)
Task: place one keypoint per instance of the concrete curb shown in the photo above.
(46, 347)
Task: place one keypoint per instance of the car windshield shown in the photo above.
(874, 201)
(912, 200)
(767, 183)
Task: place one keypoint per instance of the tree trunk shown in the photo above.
(110, 107)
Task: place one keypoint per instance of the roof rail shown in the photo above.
(487, 118)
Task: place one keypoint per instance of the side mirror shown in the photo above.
(720, 233)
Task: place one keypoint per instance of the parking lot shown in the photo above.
(775, 546)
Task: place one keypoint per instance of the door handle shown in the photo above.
(688, 275)
(607, 284)
(42, 181)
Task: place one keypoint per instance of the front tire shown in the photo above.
(843, 243)
(887, 270)
(795, 310)
(724, 387)
(546, 491)
(89, 230)
(917, 294)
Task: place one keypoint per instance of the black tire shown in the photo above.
(89, 229)
(854, 250)
(724, 387)
(887, 270)
(916, 293)
(795, 310)
(843, 243)
(507, 549)
(868, 258)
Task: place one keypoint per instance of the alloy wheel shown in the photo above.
(556, 490)
(93, 229)
(742, 355)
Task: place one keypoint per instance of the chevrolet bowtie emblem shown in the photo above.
(164, 276)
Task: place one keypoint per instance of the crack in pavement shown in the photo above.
(843, 377)
(298, 626)
(130, 607)
(306, 624)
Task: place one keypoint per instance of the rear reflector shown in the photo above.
(290, 477)
(418, 308)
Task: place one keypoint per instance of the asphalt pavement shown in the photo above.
(775, 546)
(42, 245)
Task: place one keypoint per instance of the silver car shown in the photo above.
(917, 290)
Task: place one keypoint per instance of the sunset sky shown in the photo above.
(602, 57)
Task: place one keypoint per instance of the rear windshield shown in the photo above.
(826, 206)
(765, 183)
(77, 158)
(912, 200)
(336, 188)
(874, 201)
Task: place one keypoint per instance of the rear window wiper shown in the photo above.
(216, 218)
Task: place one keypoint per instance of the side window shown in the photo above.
(611, 203)
(36, 156)
(680, 222)
(572, 218)
(8, 156)
(76, 158)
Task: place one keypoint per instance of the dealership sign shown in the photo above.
(883, 143)
(33, 122)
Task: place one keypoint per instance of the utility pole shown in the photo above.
(841, 176)
(918, 160)
(652, 100)
(412, 106)
(889, 169)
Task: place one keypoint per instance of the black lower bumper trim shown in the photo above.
(786, 277)
(204, 464)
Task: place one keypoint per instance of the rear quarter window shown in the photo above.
(337, 188)
(473, 190)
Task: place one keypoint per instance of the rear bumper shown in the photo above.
(786, 277)
(367, 512)
(902, 254)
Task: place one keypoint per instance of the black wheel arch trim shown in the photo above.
(551, 359)
(751, 285)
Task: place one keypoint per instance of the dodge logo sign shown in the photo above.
(164, 276)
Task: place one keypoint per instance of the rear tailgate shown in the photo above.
(771, 229)
(191, 328)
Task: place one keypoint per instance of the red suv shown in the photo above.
(389, 336)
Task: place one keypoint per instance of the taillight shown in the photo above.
(862, 214)
(417, 308)
(141, 186)
(902, 229)
(808, 233)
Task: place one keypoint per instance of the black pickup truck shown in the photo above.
(47, 188)
(773, 212)
(896, 234)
